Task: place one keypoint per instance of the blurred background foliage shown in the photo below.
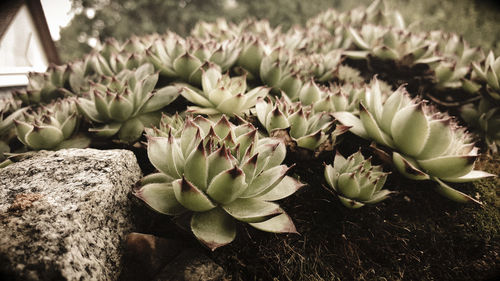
(95, 20)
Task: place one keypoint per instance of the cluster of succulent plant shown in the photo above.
(426, 144)
(220, 173)
(301, 88)
(124, 105)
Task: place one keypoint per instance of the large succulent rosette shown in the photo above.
(220, 173)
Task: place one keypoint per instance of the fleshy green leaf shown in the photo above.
(161, 198)
(214, 228)
(251, 210)
(279, 224)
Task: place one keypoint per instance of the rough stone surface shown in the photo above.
(191, 265)
(64, 214)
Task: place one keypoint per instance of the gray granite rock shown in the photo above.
(64, 214)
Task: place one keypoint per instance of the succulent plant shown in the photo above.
(485, 119)
(402, 46)
(253, 50)
(279, 70)
(377, 13)
(221, 94)
(489, 72)
(427, 144)
(10, 109)
(455, 68)
(221, 173)
(169, 125)
(306, 128)
(322, 68)
(51, 127)
(356, 181)
(339, 98)
(125, 104)
(177, 58)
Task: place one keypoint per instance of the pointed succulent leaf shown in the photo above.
(410, 130)
(451, 166)
(355, 124)
(286, 187)
(194, 97)
(161, 198)
(372, 128)
(453, 194)
(156, 178)
(408, 168)
(348, 185)
(214, 228)
(279, 224)
(265, 181)
(251, 210)
(191, 197)
(161, 98)
(439, 140)
(471, 176)
(186, 65)
(196, 167)
(107, 130)
(227, 185)
(350, 203)
(131, 130)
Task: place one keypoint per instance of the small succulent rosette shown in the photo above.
(124, 105)
(51, 127)
(57, 82)
(169, 125)
(306, 128)
(484, 118)
(221, 173)
(454, 70)
(221, 94)
(253, 50)
(280, 71)
(178, 58)
(401, 46)
(10, 109)
(339, 98)
(426, 144)
(489, 71)
(356, 181)
(377, 13)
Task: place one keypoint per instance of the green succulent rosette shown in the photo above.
(178, 58)
(485, 119)
(489, 71)
(10, 109)
(426, 144)
(308, 129)
(51, 127)
(125, 104)
(221, 173)
(221, 94)
(356, 181)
